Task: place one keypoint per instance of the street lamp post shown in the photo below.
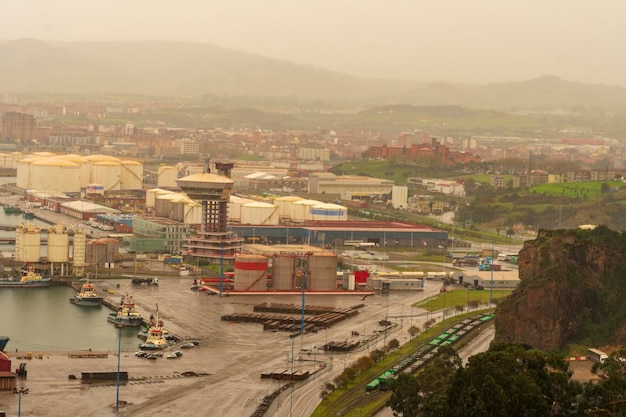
(19, 392)
(119, 351)
(493, 249)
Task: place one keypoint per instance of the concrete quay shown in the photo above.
(222, 374)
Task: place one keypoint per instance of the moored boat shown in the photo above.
(87, 296)
(11, 209)
(156, 339)
(28, 214)
(127, 315)
(26, 279)
(3, 342)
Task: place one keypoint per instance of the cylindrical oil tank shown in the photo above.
(55, 175)
(17, 156)
(259, 213)
(163, 204)
(132, 175)
(108, 174)
(283, 272)
(329, 212)
(285, 206)
(177, 207)
(84, 174)
(23, 174)
(58, 244)
(250, 273)
(6, 161)
(112, 248)
(322, 272)
(193, 213)
(301, 210)
(95, 252)
(151, 195)
(234, 207)
(166, 176)
(78, 250)
(27, 243)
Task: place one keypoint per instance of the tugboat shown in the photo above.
(126, 315)
(3, 342)
(87, 296)
(11, 209)
(156, 339)
(27, 278)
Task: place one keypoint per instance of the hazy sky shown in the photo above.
(434, 40)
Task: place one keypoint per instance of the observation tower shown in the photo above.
(213, 241)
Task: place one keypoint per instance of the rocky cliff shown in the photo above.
(572, 289)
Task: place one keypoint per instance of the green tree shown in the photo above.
(610, 392)
(508, 381)
(435, 379)
(363, 363)
(405, 397)
(393, 344)
(377, 355)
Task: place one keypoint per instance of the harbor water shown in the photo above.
(43, 320)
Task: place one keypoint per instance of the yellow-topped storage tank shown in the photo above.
(58, 244)
(78, 251)
(109, 174)
(53, 174)
(285, 206)
(166, 176)
(27, 243)
(132, 175)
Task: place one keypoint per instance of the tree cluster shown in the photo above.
(509, 381)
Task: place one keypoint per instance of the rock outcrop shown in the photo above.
(572, 289)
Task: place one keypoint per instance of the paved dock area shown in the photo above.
(221, 376)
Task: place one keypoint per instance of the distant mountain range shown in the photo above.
(159, 68)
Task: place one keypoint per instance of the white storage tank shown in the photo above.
(6, 161)
(132, 175)
(17, 156)
(163, 204)
(84, 170)
(234, 207)
(166, 176)
(301, 210)
(108, 174)
(250, 273)
(283, 272)
(55, 175)
(151, 195)
(329, 212)
(259, 213)
(58, 244)
(23, 174)
(322, 272)
(78, 250)
(177, 208)
(285, 206)
(27, 243)
(193, 213)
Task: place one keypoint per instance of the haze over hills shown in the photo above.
(161, 68)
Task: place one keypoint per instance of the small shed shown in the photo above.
(8, 380)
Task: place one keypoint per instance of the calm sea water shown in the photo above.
(43, 319)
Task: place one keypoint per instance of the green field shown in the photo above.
(460, 298)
